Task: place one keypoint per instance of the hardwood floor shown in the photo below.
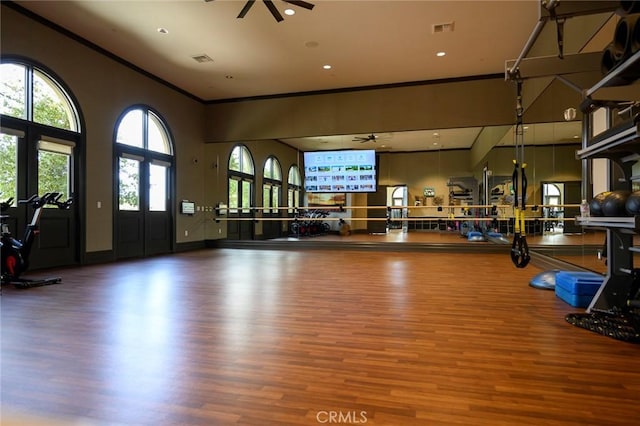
(276, 337)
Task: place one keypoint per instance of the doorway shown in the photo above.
(553, 211)
(397, 198)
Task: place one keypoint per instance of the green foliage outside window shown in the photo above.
(8, 167)
(53, 173)
(49, 108)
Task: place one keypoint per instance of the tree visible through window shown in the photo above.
(144, 161)
(54, 168)
(8, 167)
(294, 182)
(50, 105)
(271, 187)
(241, 174)
(47, 104)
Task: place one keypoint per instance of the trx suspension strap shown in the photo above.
(519, 248)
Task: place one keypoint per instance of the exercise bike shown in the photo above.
(15, 253)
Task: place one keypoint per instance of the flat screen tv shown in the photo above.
(340, 171)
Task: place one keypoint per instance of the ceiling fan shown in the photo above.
(363, 139)
(272, 8)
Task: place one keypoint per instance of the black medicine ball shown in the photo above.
(633, 203)
(615, 203)
(595, 205)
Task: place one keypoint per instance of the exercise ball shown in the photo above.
(595, 205)
(615, 203)
(633, 203)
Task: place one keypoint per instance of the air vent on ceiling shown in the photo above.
(447, 27)
(202, 58)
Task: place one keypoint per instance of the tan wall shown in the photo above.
(103, 89)
(205, 134)
(431, 106)
(424, 169)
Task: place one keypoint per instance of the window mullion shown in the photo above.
(29, 92)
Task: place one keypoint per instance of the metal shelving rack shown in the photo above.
(620, 144)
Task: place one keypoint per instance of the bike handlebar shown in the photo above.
(51, 198)
(4, 205)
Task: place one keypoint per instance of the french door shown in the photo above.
(144, 220)
(37, 160)
(240, 208)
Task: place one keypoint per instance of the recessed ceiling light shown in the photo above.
(163, 30)
(576, 137)
(289, 12)
(440, 54)
(326, 67)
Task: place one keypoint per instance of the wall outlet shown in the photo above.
(219, 230)
(99, 203)
(186, 233)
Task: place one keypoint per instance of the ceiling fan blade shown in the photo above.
(273, 10)
(246, 8)
(300, 3)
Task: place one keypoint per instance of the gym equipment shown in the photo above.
(577, 288)
(15, 253)
(545, 280)
(614, 204)
(497, 238)
(633, 203)
(595, 205)
(623, 326)
(312, 224)
(475, 236)
(519, 248)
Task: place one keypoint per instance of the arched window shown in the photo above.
(241, 176)
(271, 185)
(294, 184)
(144, 166)
(40, 145)
(31, 94)
(241, 161)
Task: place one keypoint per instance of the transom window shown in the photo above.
(31, 94)
(144, 129)
(240, 160)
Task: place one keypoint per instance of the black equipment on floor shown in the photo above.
(15, 253)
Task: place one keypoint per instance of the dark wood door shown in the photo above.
(143, 225)
(572, 195)
(53, 163)
(129, 234)
(240, 224)
(378, 198)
